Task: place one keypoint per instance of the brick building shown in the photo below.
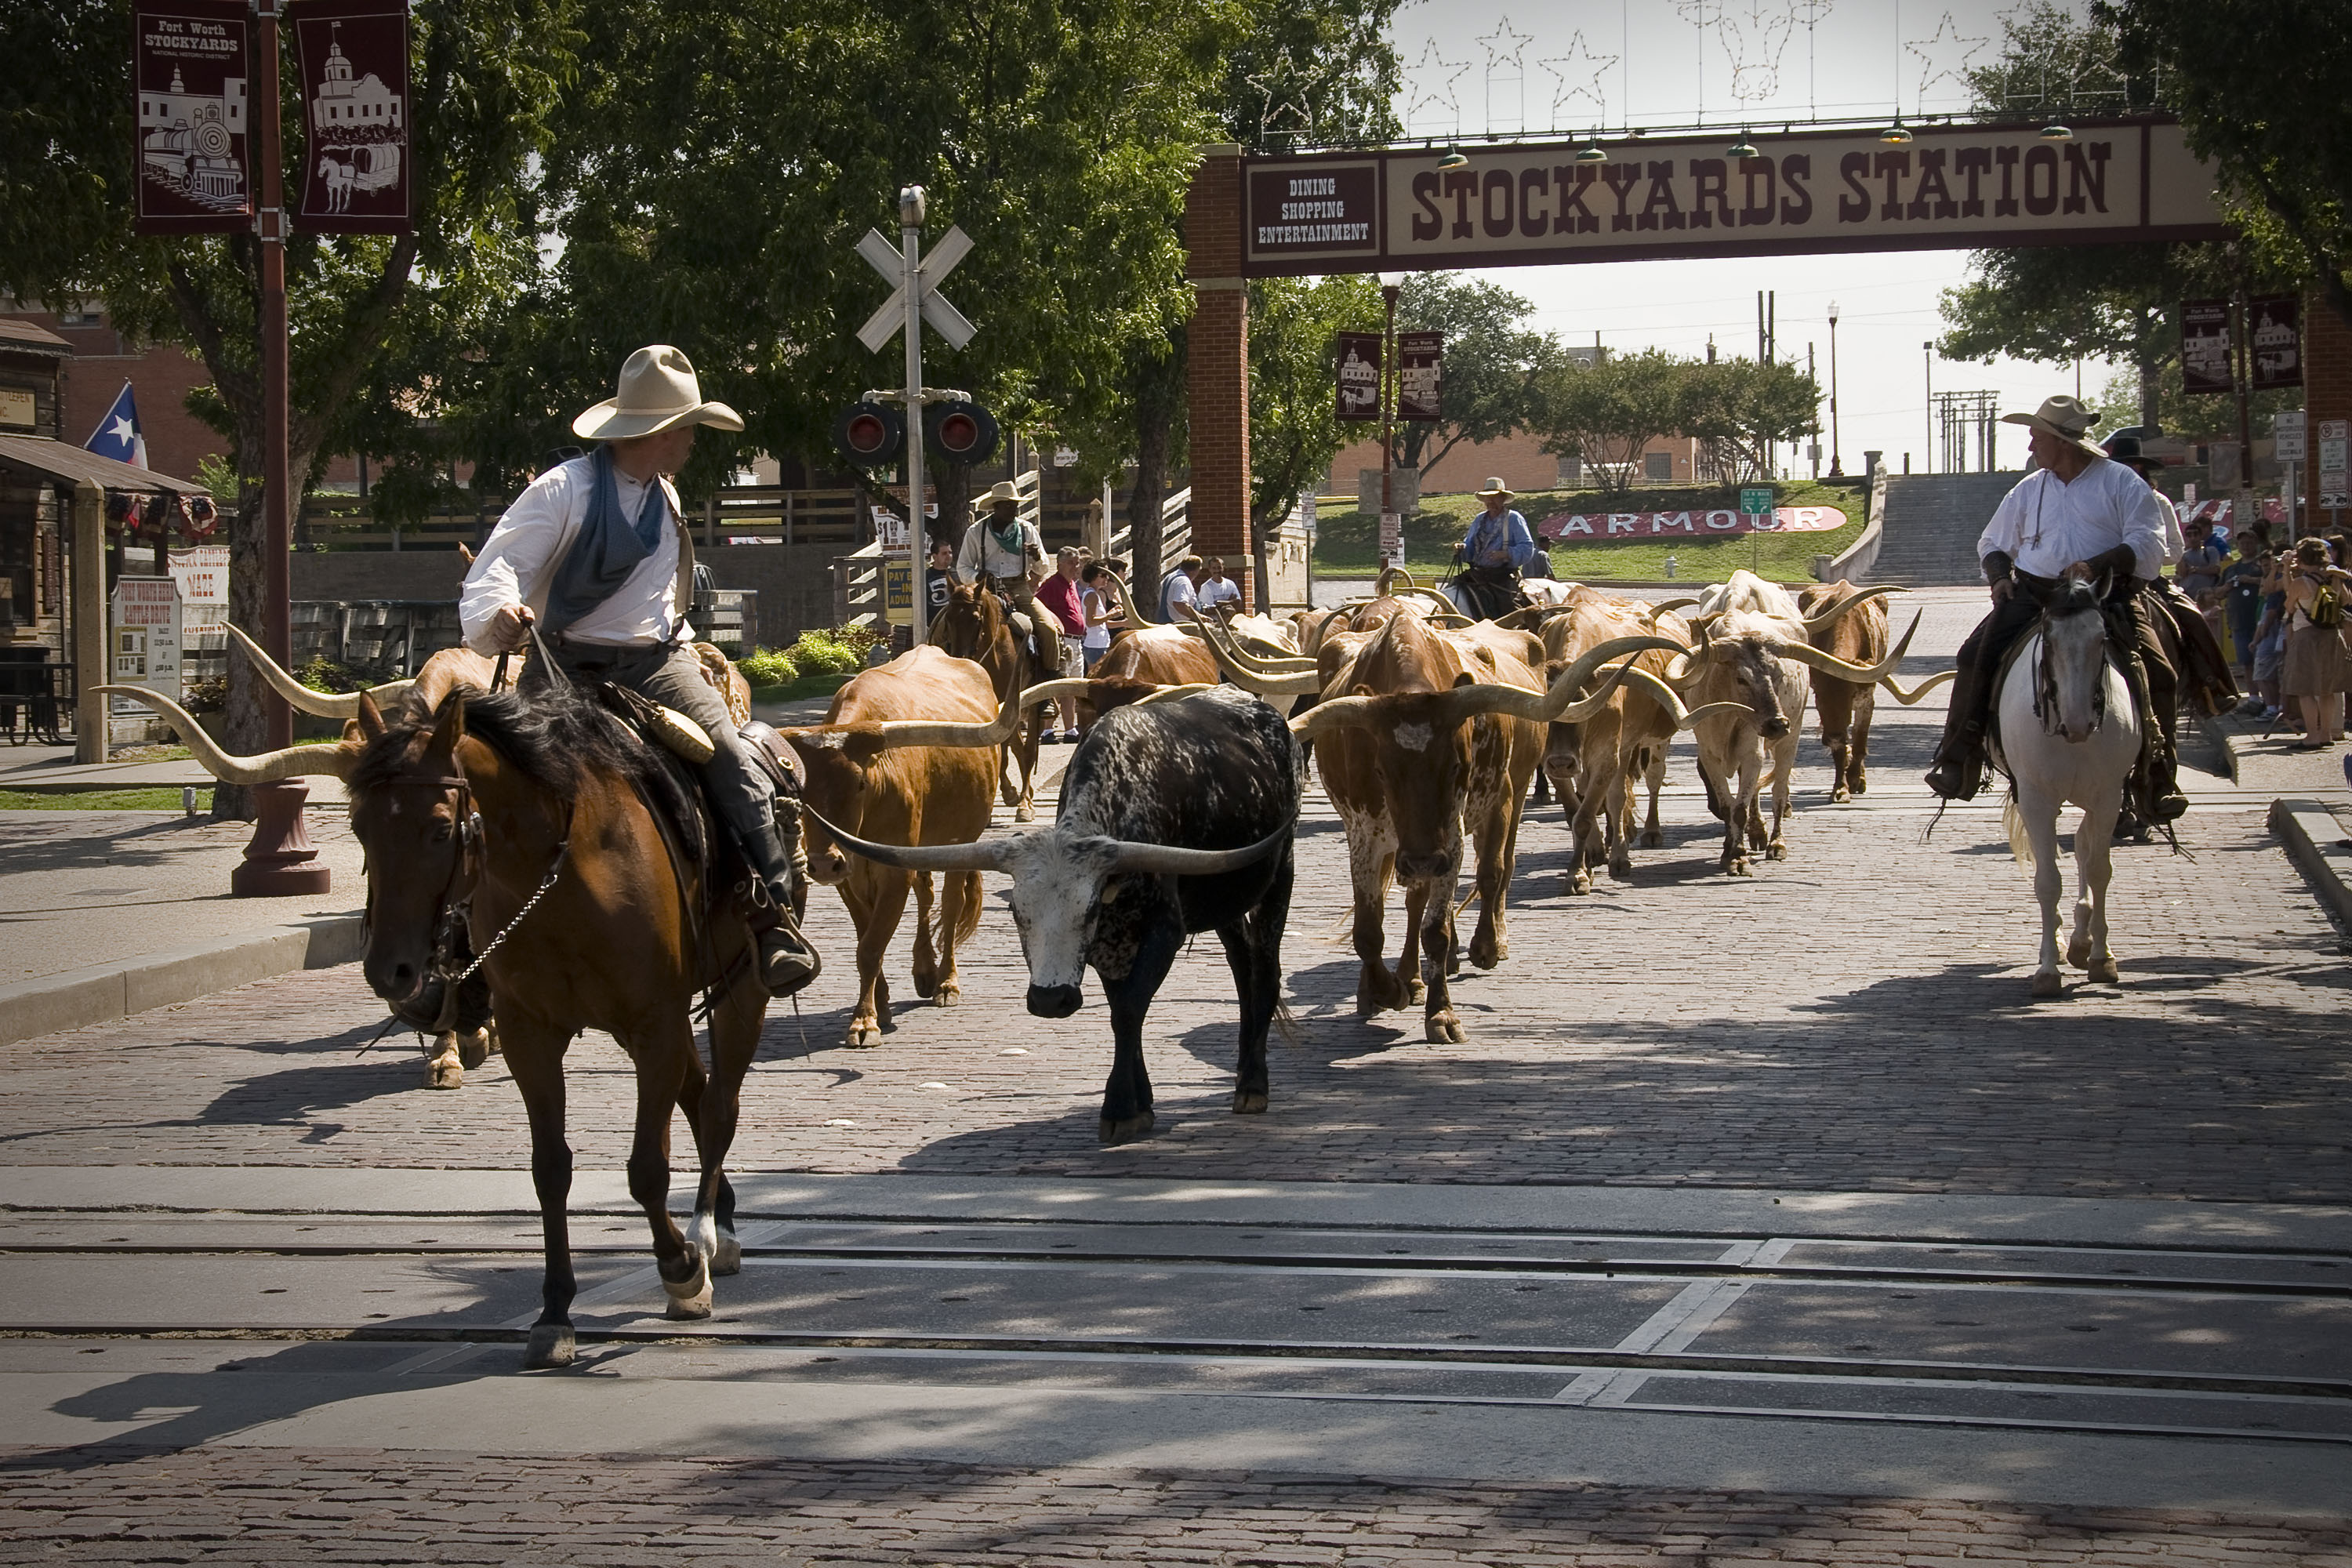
(1522, 462)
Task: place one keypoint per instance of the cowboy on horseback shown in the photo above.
(1492, 555)
(998, 545)
(595, 557)
(2081, 515)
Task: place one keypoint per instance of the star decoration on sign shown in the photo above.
(1505, 46)
(1579, 73)
(1287, 99)
(1506, 76)
(1944, 57)
(1431, 79)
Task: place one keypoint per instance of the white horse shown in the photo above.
(339, 177)
(2067, 733)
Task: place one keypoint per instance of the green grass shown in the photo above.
(807, 686)
(160, 798)
(1348, 542)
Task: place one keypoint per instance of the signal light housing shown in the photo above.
(870, 435)
(961, 432)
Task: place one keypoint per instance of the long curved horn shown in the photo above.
(974, 857)
(1170, 693)
(1641, 681)
(1339, 713)
(1052, 690)
(266, 767)
(321, 704)
(1180, 862)
(1301, 683)
(1561, 703)
(1917, 692)
(1663, 605)
(1135, 617)
(945, 732)
(1861, 675)
(1388, 574)
(1828, 617)
(1221, 641)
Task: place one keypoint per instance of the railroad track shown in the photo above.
(2208, 1342)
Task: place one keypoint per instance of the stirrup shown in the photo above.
(787, 962)
(1964, 774)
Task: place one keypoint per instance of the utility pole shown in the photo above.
(1837, 460)
(280, 861)
(918, 533)
(1928, 357)
(1816, 448)
(1390, 287)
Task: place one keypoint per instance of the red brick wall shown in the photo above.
(1217, 367)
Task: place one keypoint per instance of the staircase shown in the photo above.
(1931, 524)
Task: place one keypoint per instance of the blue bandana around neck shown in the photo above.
(608, 547)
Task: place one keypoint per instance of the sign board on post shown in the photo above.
(898, 591)
(190, 142)
(355, 100)
(1421, 358)
(146, 640)
(2275, 328)
(2330, 467)
(1756, 501)
(2287, 431)
(1391, 539)
(2205, 347)
(1359, 375)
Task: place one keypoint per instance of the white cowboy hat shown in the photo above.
(2064, 418)
(1003, 489)
(658, 390)
(1495, 486)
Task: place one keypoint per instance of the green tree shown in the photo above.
(2055, 304)
(1293, 429)
(1490, 359)
(1605, 412)
(2206, 418)
(484, 72)
(2259, 86)
(1743, 409)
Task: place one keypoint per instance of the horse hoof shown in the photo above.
(2049, 985)
(728, 1258)
(474, 1049)
(1126, 1129)
(1443, 1028)
(2078, 954)
(926, 986)
(690, 1300)
(1024, 811)
(444, 1072)
(551, 1345)
(1249, 1102)
(2104, 971)
(714, 1246)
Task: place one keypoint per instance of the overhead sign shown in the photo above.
(354, 57)
(1421, 362)
(190, 142)
(2205, 348)
(1359, 356)
(1611, 527)
(1953, 187)
(2275, 328)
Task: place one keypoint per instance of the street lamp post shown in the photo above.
(1928, 359)
(1389, 285)
(1837, 462)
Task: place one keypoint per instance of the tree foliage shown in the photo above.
(1491, 355)
(2259, 86)
(1742, 410)
(1294, 431)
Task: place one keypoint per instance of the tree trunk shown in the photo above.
(2150, 390)
(952, 483)
(1260, 529)
(1143, 504)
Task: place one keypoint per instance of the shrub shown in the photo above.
(323, 674)
(768, 667)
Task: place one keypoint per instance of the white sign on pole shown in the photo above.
(1393, 539)
(202, 573)
(2287, 431)
(146, 640)
(2331, 465)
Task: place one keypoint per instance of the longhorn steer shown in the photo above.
(1858, 635)
(1752, 658)
(907, 755)
(1175, 817)
(1422, 732)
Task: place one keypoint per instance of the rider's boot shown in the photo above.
(788, 960)
(1958, 770)
(2156, 779)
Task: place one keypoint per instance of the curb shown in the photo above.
(105, 991)
(2220, 745)
(2316, 842)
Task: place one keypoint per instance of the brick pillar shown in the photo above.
(2326, 387)
(1217, 364)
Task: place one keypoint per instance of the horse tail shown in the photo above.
(2021, 843)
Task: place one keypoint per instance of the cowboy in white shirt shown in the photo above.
(1000, 545)
(594, 556)
(2077, 513)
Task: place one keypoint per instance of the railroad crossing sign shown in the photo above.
(944, 318)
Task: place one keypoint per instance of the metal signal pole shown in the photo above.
(919, 536)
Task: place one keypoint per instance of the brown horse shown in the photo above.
(974, 626)
(531, 815)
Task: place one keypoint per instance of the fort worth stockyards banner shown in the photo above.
(355, 56)
(1631, 526)
(1955, 187)
(189, 72)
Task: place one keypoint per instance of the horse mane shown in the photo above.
(555, 735)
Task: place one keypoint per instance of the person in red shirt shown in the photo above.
(1058, 595)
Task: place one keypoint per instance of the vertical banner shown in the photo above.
(189, 71)
(1359, 375)
(1421, 359)
(354, 57)
(2274, 326)
(2205, 346)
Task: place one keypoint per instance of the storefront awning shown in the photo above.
(70, 465)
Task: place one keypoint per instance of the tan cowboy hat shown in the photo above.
(1495, 486)
(1003, 489)
(2064, 418)
(658, 390)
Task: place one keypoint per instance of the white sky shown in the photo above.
(1474, 66)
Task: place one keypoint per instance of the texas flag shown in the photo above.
(117, 435)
